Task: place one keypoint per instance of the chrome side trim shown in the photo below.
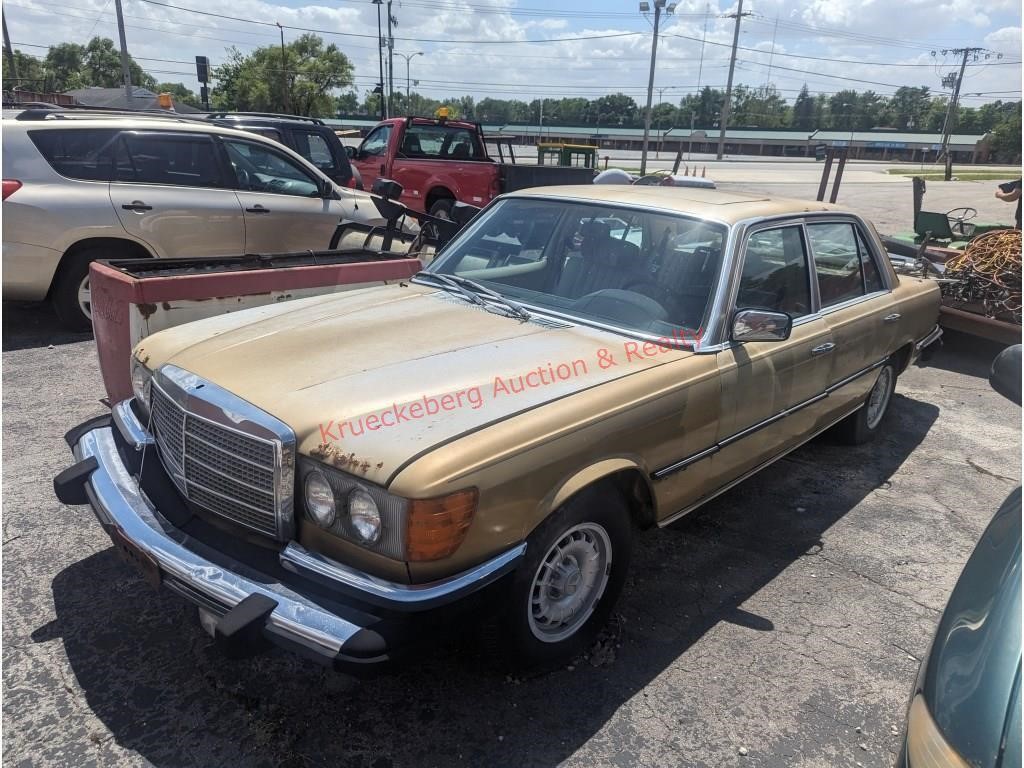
(118, 499)
(129, 426)
(931, 338)
(687, 510)
(659, 474)
(300, 560)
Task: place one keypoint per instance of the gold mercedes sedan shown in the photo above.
(338, 474)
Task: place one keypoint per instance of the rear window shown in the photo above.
(440, 142)
(87, 154)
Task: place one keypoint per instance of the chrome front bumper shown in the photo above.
(101, 479)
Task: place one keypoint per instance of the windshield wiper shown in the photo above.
(447, 282)
(516, 310)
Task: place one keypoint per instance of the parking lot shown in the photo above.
(780, 625)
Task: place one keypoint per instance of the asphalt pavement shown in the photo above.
(781, 625)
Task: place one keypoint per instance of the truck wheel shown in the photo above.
(862, 425)
(70, 295)
(442, 209)
(575, 565)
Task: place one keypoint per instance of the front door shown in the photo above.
(284, 210)
(853, 305)
(170, 192)
(372, 155)
(772, 391)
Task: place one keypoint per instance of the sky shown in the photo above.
(527, 49)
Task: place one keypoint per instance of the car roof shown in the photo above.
(122, 122)
(729, 207)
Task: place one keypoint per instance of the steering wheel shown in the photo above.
(243, 177)
(958, 218)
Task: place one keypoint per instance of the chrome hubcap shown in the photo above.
(85, 298)
(878, 400)
(569, 582)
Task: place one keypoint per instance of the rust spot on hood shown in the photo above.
(331, 454)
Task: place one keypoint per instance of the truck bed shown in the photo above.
(516, 177)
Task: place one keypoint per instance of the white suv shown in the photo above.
(79, 187)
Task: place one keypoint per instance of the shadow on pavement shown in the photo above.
(156, 681)
(33, 324)
(966, 354)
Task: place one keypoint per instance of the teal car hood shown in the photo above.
(972, 678)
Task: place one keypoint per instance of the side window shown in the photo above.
(377, 142)
(872, 277)
(176, 159)
(269, 133)
(314, 148)
(89, 155)
(261, 169)
(837, 260)
(776, 275)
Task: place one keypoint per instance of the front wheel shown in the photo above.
(861, 426)
(575, 567)
(442, 209)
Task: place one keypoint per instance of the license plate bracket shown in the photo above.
(132, 554)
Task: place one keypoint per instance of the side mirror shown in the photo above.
(760, 325)
(351, 152)
(1006, 373)
(327, 191)
(386, 188)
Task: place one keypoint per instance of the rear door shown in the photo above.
(855, 304)
(324, 150)
(170, 190)
(280, 199)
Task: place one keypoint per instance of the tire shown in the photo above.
(69, 295)
(533, 624)
(442, 209)
(866, 422)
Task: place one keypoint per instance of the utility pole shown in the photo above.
(7, 49)
(380, 61)
(391, 58)
(284, 73)
(645, 8)
(126, 72)
(700, 73)
(951, 112)
(724, 119)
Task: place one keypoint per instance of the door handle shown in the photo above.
(257, 209)
(892, 318)
(822, 349)
(137, 205)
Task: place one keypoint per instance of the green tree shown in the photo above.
(615, 109)
(101, 66)
(31, 74)
(908, 108)
(300, 79)
(1006, 138)
(64, 64)
(802, 118)
(347, 103)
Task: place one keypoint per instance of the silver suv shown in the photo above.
(79, 187)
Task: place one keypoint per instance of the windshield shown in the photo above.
(643, 271)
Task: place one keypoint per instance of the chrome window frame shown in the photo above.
(710, 313)
(717, 336)
(230, 412)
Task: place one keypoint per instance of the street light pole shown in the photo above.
(284, 74)
(645, 8)
(380, 60)
(723, 121)
(408, 80)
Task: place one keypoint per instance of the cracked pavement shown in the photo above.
(785, 618)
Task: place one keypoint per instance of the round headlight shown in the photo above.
(141, 382)
(364, 515)
(320, 500)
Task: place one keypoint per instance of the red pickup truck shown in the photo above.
(439, 162)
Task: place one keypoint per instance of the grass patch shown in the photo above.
(965, 175)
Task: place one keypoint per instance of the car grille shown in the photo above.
(217, 468)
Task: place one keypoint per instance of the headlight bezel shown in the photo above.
(390, 540)
(142, 385)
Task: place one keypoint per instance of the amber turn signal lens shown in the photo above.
(438, 526)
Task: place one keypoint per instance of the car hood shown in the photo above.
(379, 376)
(970, 678)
